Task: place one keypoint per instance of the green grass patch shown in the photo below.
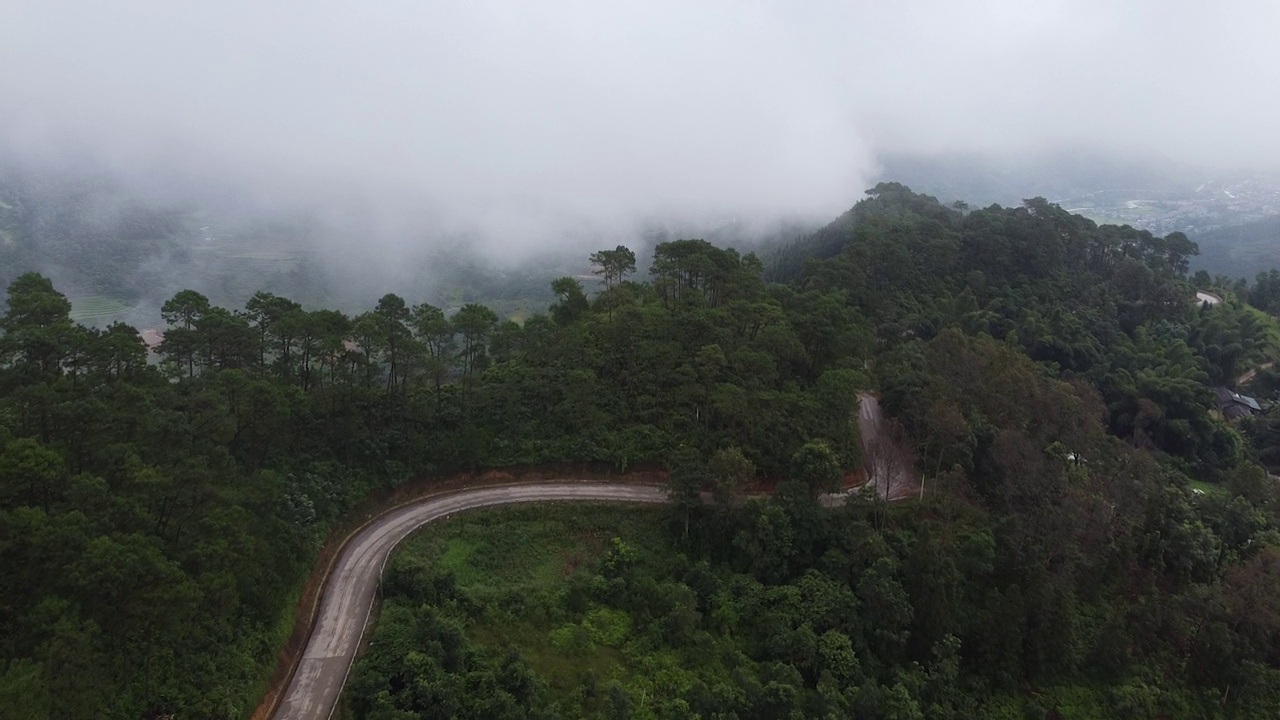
(96, 307)
(527, 548)
(1207, 488)
(562, 670)
(237, 251)
(517, 561)
(456, 554)
(264, 255)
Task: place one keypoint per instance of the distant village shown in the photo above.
(1211, 205)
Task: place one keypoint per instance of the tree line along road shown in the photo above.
(348, 596)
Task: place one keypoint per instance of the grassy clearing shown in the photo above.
(518, 559)
(562, 671)
(517, 310)
(96, 307)
(246, 251)
(1208, 488)
(264, 255)
(527, 548)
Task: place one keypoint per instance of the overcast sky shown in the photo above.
(512, 116)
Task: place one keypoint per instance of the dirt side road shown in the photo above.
(890, 474)
(1252, 374)
(348, 598)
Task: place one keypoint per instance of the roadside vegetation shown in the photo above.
(1052, 379)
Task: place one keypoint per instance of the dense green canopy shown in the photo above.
(1052, 380)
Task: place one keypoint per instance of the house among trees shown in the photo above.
(1233, 405)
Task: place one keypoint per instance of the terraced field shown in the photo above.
(266, 255)
(96, 307)
(8, 224)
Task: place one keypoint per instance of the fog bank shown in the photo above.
(519, 125)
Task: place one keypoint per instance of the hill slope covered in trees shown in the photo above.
(1052, 377)
(1240, 251)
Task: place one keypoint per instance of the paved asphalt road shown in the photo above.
(348, 598)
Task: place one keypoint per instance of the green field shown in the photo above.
(516, 565)
(1208, 488)
(6, 233)
(96, 307)
(271, 259)
(1103, 219)
(527, 548)
(263, 254)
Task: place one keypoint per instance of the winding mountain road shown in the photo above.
(349, 594)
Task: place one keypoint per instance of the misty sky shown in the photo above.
(513, 116)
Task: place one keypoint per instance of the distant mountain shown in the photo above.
(82, 230)
(786, 261)
(1057, 175)
(119, 251)
(1240, 251)
(1234, 217)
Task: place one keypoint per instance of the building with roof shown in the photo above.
(1233, 405)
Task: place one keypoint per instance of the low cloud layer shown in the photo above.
(516, 120)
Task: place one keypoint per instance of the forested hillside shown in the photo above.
(1240, 251)
(1053, 378)
(94, 234)
(118, 251)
